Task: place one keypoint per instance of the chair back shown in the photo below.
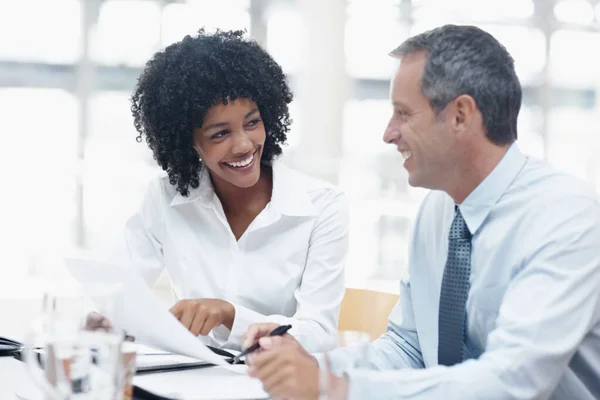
(366, 311)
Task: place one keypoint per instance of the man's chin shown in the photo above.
(412, 180)
(415, 180)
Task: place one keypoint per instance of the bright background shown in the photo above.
(72, 171)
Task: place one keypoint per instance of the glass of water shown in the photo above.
(72, 361)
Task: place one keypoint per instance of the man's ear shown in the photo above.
(466, 114)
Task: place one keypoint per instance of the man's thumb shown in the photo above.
(270, 342)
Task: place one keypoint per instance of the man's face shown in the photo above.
(424, 139)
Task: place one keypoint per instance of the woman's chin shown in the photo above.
(243, 179)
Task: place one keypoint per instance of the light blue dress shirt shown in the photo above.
(533, 312)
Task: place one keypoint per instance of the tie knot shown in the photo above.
(459, 228)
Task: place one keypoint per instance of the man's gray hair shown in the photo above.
(467, 60)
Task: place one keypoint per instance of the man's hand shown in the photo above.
(285, 368)
(200, 316)
(257, 331)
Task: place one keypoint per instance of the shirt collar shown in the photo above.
(289, 195)
(203, 194)
(476, 207)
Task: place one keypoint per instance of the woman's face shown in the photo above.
(230, 142)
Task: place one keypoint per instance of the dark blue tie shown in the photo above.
(455, 290)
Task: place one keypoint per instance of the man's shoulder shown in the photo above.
(544, 203)
(541, 185)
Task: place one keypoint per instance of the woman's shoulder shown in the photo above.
(295, 183)
(158, 192)
(311, 183)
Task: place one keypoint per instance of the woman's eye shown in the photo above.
(254, 122)
(219, 134)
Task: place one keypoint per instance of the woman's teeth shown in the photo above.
(243, 163)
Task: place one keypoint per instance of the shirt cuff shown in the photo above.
(358, 385)
(244, 317)
(330, 362)
(221, 334)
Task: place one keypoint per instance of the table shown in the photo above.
(15, 380)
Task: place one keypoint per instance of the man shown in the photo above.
(504, 261)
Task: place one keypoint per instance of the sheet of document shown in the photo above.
(201, 384)
(154, 360)
(141, 312)
(144, 350)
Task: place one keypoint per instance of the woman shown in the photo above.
(244, 238)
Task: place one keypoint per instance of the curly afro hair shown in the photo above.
(180, 83)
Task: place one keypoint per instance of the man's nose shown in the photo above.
(391, 134)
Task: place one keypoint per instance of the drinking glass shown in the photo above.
(73, 361)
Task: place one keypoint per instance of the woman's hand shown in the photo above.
(200, 316)
(98, 322)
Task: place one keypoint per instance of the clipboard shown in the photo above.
(9, 347)
(14, 348)
(157, 368)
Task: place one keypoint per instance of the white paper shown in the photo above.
(143, 349)
(142, 314)
(201, 384)
(154, 360)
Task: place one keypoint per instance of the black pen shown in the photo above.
(280, 330)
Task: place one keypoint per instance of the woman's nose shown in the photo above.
(243, 144)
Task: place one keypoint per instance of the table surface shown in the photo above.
(15, 380)
(16, 383)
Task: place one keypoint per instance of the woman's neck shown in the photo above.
(239, 200)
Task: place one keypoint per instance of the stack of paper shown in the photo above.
(142, 314)
(210, 383)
